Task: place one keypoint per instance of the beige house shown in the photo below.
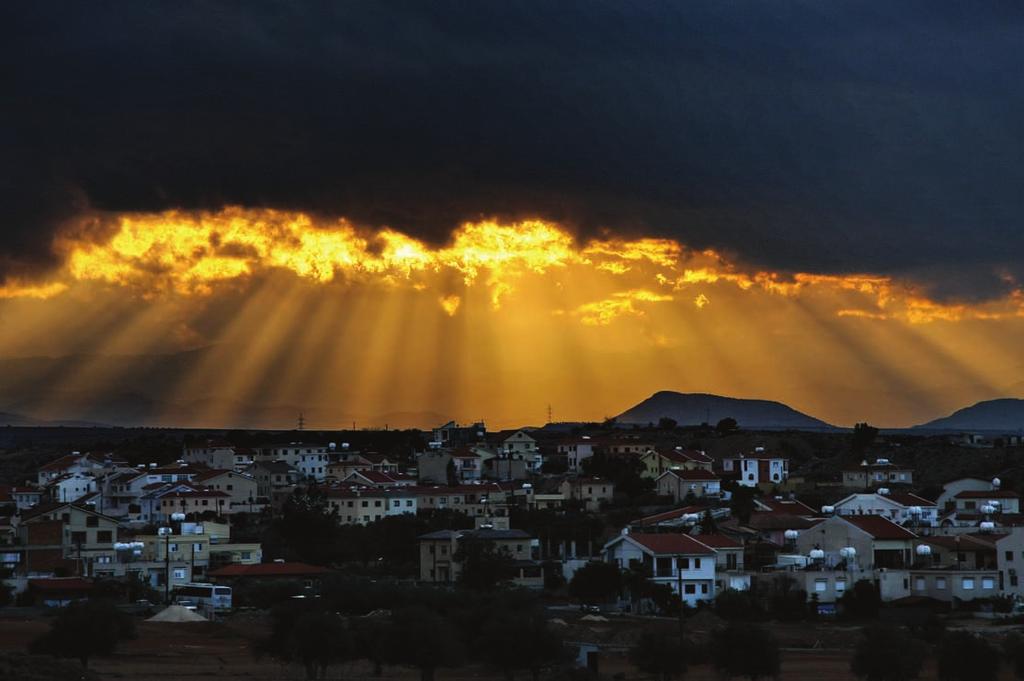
(592, 491)
(243, 489)
(657, 461)
(438, 550)
(681, 484)
(69, 538)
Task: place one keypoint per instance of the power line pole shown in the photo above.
(302, 421)
(549, 413)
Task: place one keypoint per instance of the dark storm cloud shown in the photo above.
(840, 136)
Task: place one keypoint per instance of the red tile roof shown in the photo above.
(684, 455)
(718, 541)
(879, 527)
(671, 543)
(670, 515)
(61, 584)
(698, 475)
(791, 506)
(909, 499)
(988, 494)
(269, 570)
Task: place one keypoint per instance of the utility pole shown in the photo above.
(549, 413)
(302, 421)
(167, 568)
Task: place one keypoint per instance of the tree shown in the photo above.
(428, 641)
(665, 423)
(596, 582)
(660, 653)
(885, 653)
(727, 425)
(372, 636)
(317, 640)
(862, 601)
(745, 650)
(520, 640)
(707, 523)
(742, 502)
(1013, 649)
(484, 566)
(966, 657)
(308, 526)
(863, 437)
(451, 473)
(732, 604)
(85, 629)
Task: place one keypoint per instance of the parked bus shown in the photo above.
(209, 597)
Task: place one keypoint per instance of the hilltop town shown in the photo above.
(604, 533)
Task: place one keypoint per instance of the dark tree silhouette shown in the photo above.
(521, 641)
(596, 582)
(727, 425)
(863, 437)
(308, 527)
(885, 653)
(484, 566)
(665, 423)
(966, 657)
(745, 650)
(862, 601)
(85, 629)
(661, 654)
(427, 641)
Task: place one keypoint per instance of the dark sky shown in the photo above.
(823, 136)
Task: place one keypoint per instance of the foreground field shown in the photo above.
(224, 650)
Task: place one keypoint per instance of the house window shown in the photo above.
(179, 573)
(940, 582)
(919, 584)
(967, 583)
(696, 563)
(988, 583)
(104, 536)
(92, 521)
(684, 563)
(78, 537)
(703, 588)
(173, 548)
(246, 555)
(198, 548)
(690, 588)
(821, 585)
(840, 586)
(1009, 556)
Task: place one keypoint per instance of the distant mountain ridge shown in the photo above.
(1005, 414)
(688, 409)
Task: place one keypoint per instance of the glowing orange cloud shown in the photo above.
(194, 253)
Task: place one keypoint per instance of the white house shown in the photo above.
(757, 468)
(576, 451)
(309, 459)
(900, 507)
(520, 446)
(678, 560)
(71, 487)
